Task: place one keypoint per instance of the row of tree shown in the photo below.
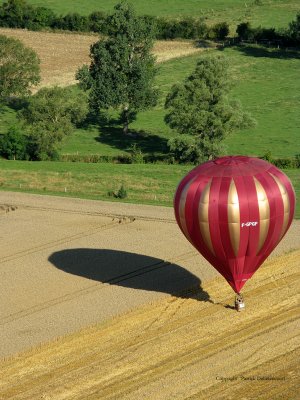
(285, 37)
(19, 14)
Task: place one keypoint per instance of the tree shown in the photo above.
(16, 13)
(122, 70)
(49, 116)
(294, 29)
(13, 144)
(19, 68)
(200, 107)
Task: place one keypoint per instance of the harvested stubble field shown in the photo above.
(68, 264)
(61, 54)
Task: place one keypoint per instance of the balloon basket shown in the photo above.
(239, 302)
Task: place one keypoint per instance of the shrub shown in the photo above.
(72, 22)
(120, 194)
(13, 145)
(185, 150)
(96, 22)
(284, 163)
(137, 156)
(186, 28)
(244, 31)
(220, 30)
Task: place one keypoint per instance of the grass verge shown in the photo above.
(145, 183)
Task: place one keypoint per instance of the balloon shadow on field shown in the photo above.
(130, 270)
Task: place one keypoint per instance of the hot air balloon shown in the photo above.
(235, 210)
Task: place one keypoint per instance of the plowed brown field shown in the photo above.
(61, 54)
(152, 320)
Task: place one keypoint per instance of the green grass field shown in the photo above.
(145, 183)
(277, 13)
(267, 83)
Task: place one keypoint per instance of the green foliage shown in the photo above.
(244, 31)
(84, 77)
(200, 106)
(294, 29)
(220, 31)
(136, 154)
(13, 144)
(97, 22)
(286, 37)
(19, 14)
(19, 68)
(282, 163)
(185, 27)
(72, 22)
(123, 69)
(120, 194)
(185, 149)
(49, 116)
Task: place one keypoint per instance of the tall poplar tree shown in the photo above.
(200, 107)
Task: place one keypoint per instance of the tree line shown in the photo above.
(19, 14)
(120, 77)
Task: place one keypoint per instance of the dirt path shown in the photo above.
(61, 54)
(189, 347)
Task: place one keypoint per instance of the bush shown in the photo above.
(185, 150)
(120, 194)
(285, 163)
(96, 22)
(220, 31)
(282, 163)
(186, 28)
(136, 154)
(244, 31)
(72, 22)
(13, 145)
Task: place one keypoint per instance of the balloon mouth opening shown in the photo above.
(231, 160)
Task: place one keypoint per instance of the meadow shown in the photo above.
(265, 81)
(268, 13)
(145, 183)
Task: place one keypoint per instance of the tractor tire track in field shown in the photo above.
(119, 216)
(95, 287)
(63, 240)
(177, 348)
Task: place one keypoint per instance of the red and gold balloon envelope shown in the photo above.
(235, 210)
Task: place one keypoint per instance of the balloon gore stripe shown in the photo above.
(235, 210)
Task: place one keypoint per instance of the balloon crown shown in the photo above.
(232, 160)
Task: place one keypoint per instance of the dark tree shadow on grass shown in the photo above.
(153, 147)
(148, 143)
(267, 52)
(130, 270)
